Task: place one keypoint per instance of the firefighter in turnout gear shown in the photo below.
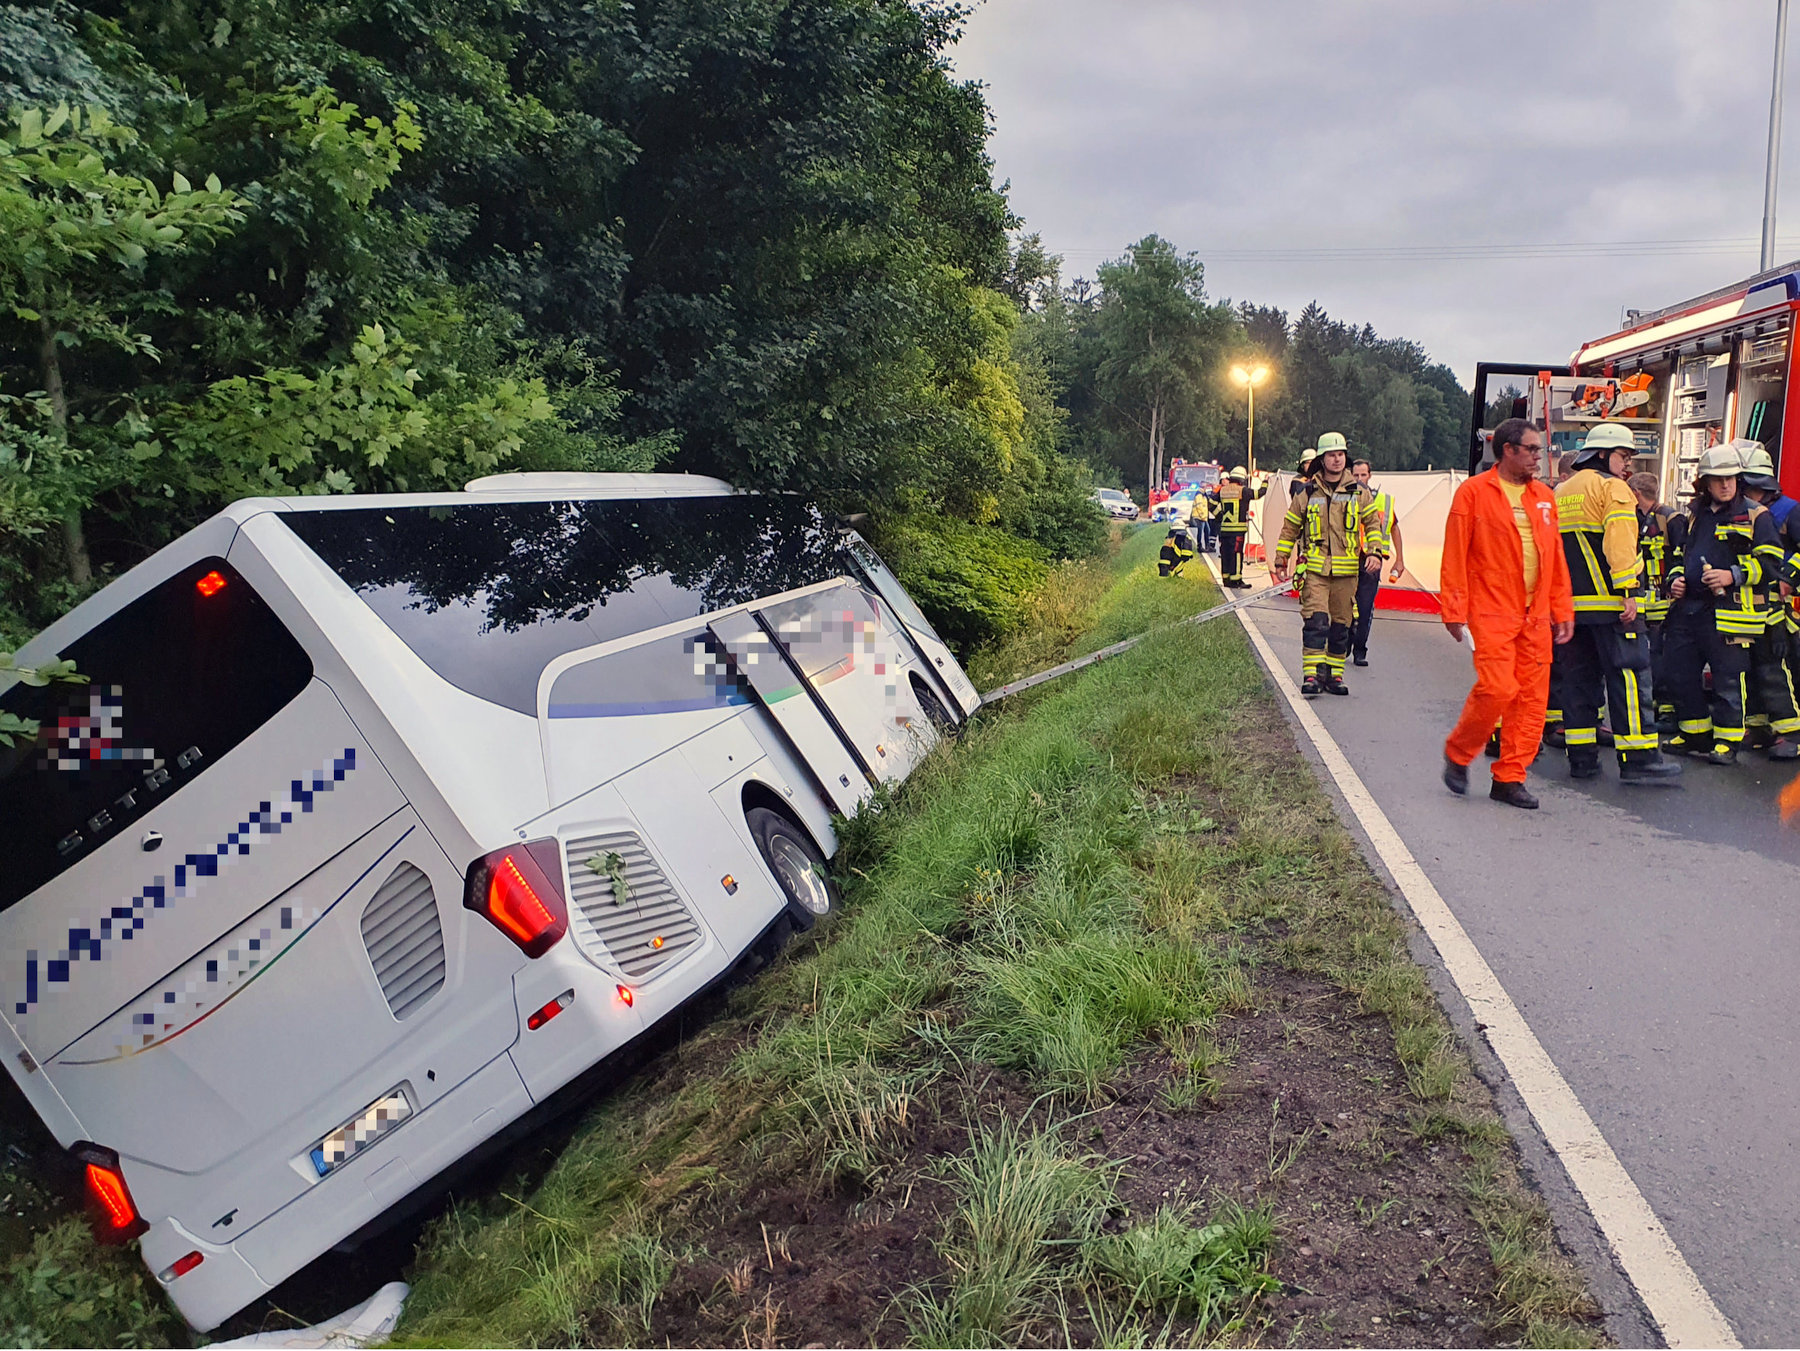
(1723, 553)
(1235, 498)
(1340, 533)
(1653, 548)
(1771, 717)
(1609, 656)
(1176, 551)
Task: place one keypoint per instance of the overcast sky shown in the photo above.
(1470, 129)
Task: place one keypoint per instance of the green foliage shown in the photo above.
(1021, 1196)
(973, 582)
(13, 727)
(67, 1291)
(1169, 1264)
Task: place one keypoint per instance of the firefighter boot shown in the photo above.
(1310, 686)
(1553, 735)
(1688, 743)
(1332, 683)
(1722, 753)
(1584, 762)
(1647, 767)
(1784, 748)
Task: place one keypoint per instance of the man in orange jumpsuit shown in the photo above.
(1505, 583)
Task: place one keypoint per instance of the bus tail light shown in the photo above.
(519, 890)
(115, 1214)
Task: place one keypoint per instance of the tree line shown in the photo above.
(260, 247)
(1139, 358)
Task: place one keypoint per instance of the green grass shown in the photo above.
(67, 1291)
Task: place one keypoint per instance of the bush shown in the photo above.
(974, 582)
(68, 1291)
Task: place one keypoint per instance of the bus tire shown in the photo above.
(933, 708)
(797, 865)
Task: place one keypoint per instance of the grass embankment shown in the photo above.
(925, 1125)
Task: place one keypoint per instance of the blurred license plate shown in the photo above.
(361, 1131)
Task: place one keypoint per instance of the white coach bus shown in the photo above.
(380, 819)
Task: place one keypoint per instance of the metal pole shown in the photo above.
(1250, 434)
(1774, 169)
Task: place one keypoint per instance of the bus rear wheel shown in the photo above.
(798, 866)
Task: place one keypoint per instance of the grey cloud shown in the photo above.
(1371, 123)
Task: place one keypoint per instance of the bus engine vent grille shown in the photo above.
(405, 940)
(646, 927)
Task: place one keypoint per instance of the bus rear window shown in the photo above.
(489, 593)
(175, 680)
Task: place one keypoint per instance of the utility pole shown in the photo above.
(1774, 169)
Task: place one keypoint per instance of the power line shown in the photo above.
(1620, 248)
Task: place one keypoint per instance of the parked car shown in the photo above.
(1116, 503)
(1177, 509)
(380, 819)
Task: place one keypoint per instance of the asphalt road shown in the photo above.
(1650, 936)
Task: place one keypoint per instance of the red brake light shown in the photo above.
(550, 1010)
(211, 584)
(183, 1265)
(116, 1218)
(519, 890)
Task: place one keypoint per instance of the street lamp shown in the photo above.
(1250, 377)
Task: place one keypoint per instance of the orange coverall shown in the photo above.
(1482, 584)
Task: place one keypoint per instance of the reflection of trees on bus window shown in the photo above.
(523, 563)
(556, 577)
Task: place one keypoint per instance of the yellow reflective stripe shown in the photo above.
(1695, 725)
(1581, 736)
(1640, 742)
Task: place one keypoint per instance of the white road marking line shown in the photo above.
(1679, 1304)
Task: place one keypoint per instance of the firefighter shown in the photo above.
(1771, 717)
(1723, 551)
(1235, 497)
(1176, 551)
(1336, 527)
(1368, 584)
(1653, 540)
(1609, 656)
(1200, 518)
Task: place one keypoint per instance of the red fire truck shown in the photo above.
(1685, 377)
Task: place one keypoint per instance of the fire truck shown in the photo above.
(1684, 377)
(1185, 474)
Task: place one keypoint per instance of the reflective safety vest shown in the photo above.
(1653, 548)
(1234, 506)
(1597, 516)
(1740, 537)
(1335, 528)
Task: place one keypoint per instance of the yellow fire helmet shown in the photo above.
(1238, 475)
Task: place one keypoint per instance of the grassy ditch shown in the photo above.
(1030, 1088)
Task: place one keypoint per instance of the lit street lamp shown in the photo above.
(1250, 377)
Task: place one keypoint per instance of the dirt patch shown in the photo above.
(1311, 1118)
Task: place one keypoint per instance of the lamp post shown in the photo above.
(1774, 165)
(1250, 377)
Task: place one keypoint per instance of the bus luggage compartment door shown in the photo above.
(782, 689)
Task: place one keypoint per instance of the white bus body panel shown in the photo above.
(380, 764)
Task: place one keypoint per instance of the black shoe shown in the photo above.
(1655, 770)
(1334, 684)
(1456, 777)
(1492, 749)
(1722, 753)
(1585, 766)
(1683, 743)
(1513, 795)
(1784, 748)
(1361, 659)
(1759, 738)
(1604, 734)
(1310, 686)
(1553, 736)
